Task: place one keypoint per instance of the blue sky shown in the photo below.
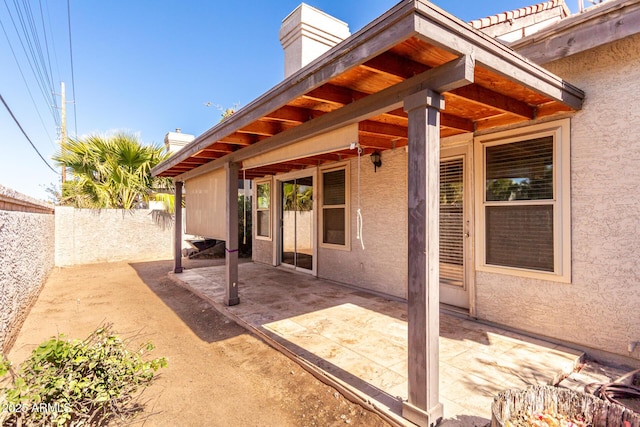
(150, 67)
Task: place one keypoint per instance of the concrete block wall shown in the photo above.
(26, 258)
(86, 236)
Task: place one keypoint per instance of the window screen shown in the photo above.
(334, 209)
(520, 171)
(263, 211)
(519, 204)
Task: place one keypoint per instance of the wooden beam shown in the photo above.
(194, 161)
(395, 65)
(177, 229)
(231, 241)
(484, 96)
(503, 119)
(237, 138)
(550, 109)
(377, 128)
(398, 112)
(455, 122)
(262, 128)
(304, 162)
(181, 167)
(423, 281)
(381, 143)
(334, 94)
(294, 115)
(220, 147)
(446, 120)
(449, 76)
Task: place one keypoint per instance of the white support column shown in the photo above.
(177, 237)
(423, 407)
(231, 243)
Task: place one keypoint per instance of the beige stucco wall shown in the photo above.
(382, 265)
(262, 251)
(85, 236)
(599, 308)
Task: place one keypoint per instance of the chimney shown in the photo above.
(306, 34)
(174, 141)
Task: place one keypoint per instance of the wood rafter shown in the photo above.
(238, 138)
(455, 122)
(262, 128)
(484, 96)
(395, 65)
(376, 128)
(293, 115)
(380, 143)
(335, 94)
(218, 147)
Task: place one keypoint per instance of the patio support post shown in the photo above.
(423, 406)
(177, 237)
(231, 243)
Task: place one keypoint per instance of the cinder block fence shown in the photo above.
(35, 237)
(27, 230)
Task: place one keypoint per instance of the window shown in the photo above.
(335, 207)
(524, 213)
(263, 210)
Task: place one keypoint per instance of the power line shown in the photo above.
(73, 81)
(46, 41)
(24, 79)
(25, 134)
(37, 69)
(53, 42)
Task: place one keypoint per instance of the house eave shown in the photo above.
(409, 20)
(598, 25)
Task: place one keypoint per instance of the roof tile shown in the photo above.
(514, 14)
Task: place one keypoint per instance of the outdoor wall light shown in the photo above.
(376, 159)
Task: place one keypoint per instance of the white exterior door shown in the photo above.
(455, 226)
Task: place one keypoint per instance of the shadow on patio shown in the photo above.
(359, 341)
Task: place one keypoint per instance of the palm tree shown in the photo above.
(110, 171)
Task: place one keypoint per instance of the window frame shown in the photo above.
(347, 205)
(256, 183)
(560, 130)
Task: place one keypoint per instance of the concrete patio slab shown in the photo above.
(358, 341)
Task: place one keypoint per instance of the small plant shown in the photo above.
(77, 383)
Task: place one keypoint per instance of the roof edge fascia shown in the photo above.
(537, 45)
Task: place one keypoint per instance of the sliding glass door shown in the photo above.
(297, 223)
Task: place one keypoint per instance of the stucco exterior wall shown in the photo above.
(262, 251)
(85, 236)
(382, 265)
(599, 308)
(26, 259)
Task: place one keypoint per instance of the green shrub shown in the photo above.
(77, 383)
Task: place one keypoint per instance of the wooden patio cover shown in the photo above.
(395, 55)
(412, 76)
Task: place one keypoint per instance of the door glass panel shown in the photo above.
(297, 223)
(452, 222)
(288, 222)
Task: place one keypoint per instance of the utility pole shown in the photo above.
(63, 128)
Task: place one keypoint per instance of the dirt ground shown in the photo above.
(218, 373)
